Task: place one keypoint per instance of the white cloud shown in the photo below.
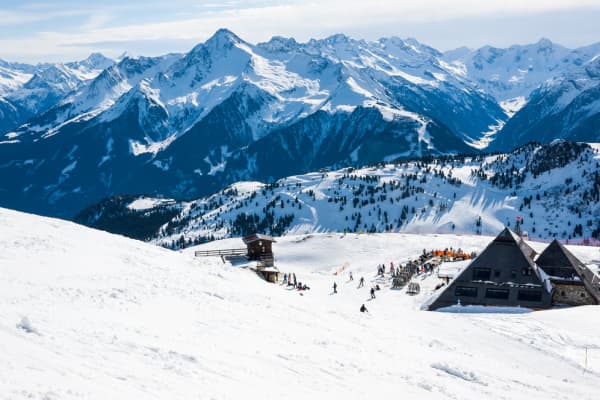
(256, 21)
(12, 18)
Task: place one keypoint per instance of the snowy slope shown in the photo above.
(85, 314)
(554, 188)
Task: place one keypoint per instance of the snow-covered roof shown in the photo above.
(257, 236)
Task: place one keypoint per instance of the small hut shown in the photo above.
(260, 249)
(572, 281)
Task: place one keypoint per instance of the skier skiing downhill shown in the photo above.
(334, 287)
(363, 308)
(372, 293)
(351, 277)
(361, 282)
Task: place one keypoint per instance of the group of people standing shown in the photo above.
(289, 279)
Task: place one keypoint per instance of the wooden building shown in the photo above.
(260, 249)
(572, 281)
(504, 274)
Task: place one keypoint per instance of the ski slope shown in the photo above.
(89, 315)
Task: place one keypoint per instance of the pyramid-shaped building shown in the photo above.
(574, 284)
(504, 274)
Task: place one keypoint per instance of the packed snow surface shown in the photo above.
(145, 203)
(86, 314)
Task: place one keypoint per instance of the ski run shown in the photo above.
(86, 314)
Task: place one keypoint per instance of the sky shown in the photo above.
(64, 30)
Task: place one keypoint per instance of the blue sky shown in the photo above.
(62, 30)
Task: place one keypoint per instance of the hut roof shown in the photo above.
(256, 237)
(510, 237)
(557, 255)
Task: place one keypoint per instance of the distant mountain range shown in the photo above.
(186, 125)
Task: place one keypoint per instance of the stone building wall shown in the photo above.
(571, 294)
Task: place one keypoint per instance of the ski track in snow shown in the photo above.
(86, 314)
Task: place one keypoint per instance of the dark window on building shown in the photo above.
(482, 274)
(530, 295)
(496, 293)
(465, 291)
(526, 271)
(513, 273)
(497, 273)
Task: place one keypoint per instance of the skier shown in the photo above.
(351, 277)
(334, 287)
(363, 308)
(372, 293)
(361, 283)
(295, 281)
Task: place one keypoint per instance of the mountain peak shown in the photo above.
(222, 37)
(338, 38)
(279, 43)
(97, 57)
(124, 55)
(544, 42)
(98, 60)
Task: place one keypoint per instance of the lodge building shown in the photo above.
(507, 274)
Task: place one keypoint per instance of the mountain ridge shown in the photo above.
(186, 125)
(554, 188)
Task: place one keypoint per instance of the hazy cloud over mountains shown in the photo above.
(66, 30)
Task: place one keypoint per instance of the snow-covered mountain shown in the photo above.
(565, 107)
(187, 125)
(554, 188)
(28, 90)
(511, 74)
(86, 314)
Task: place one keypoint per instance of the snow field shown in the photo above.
(116, 318)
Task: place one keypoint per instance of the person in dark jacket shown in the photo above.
(372, 293)
(334, 287)
(363, 308)
(361, 283)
